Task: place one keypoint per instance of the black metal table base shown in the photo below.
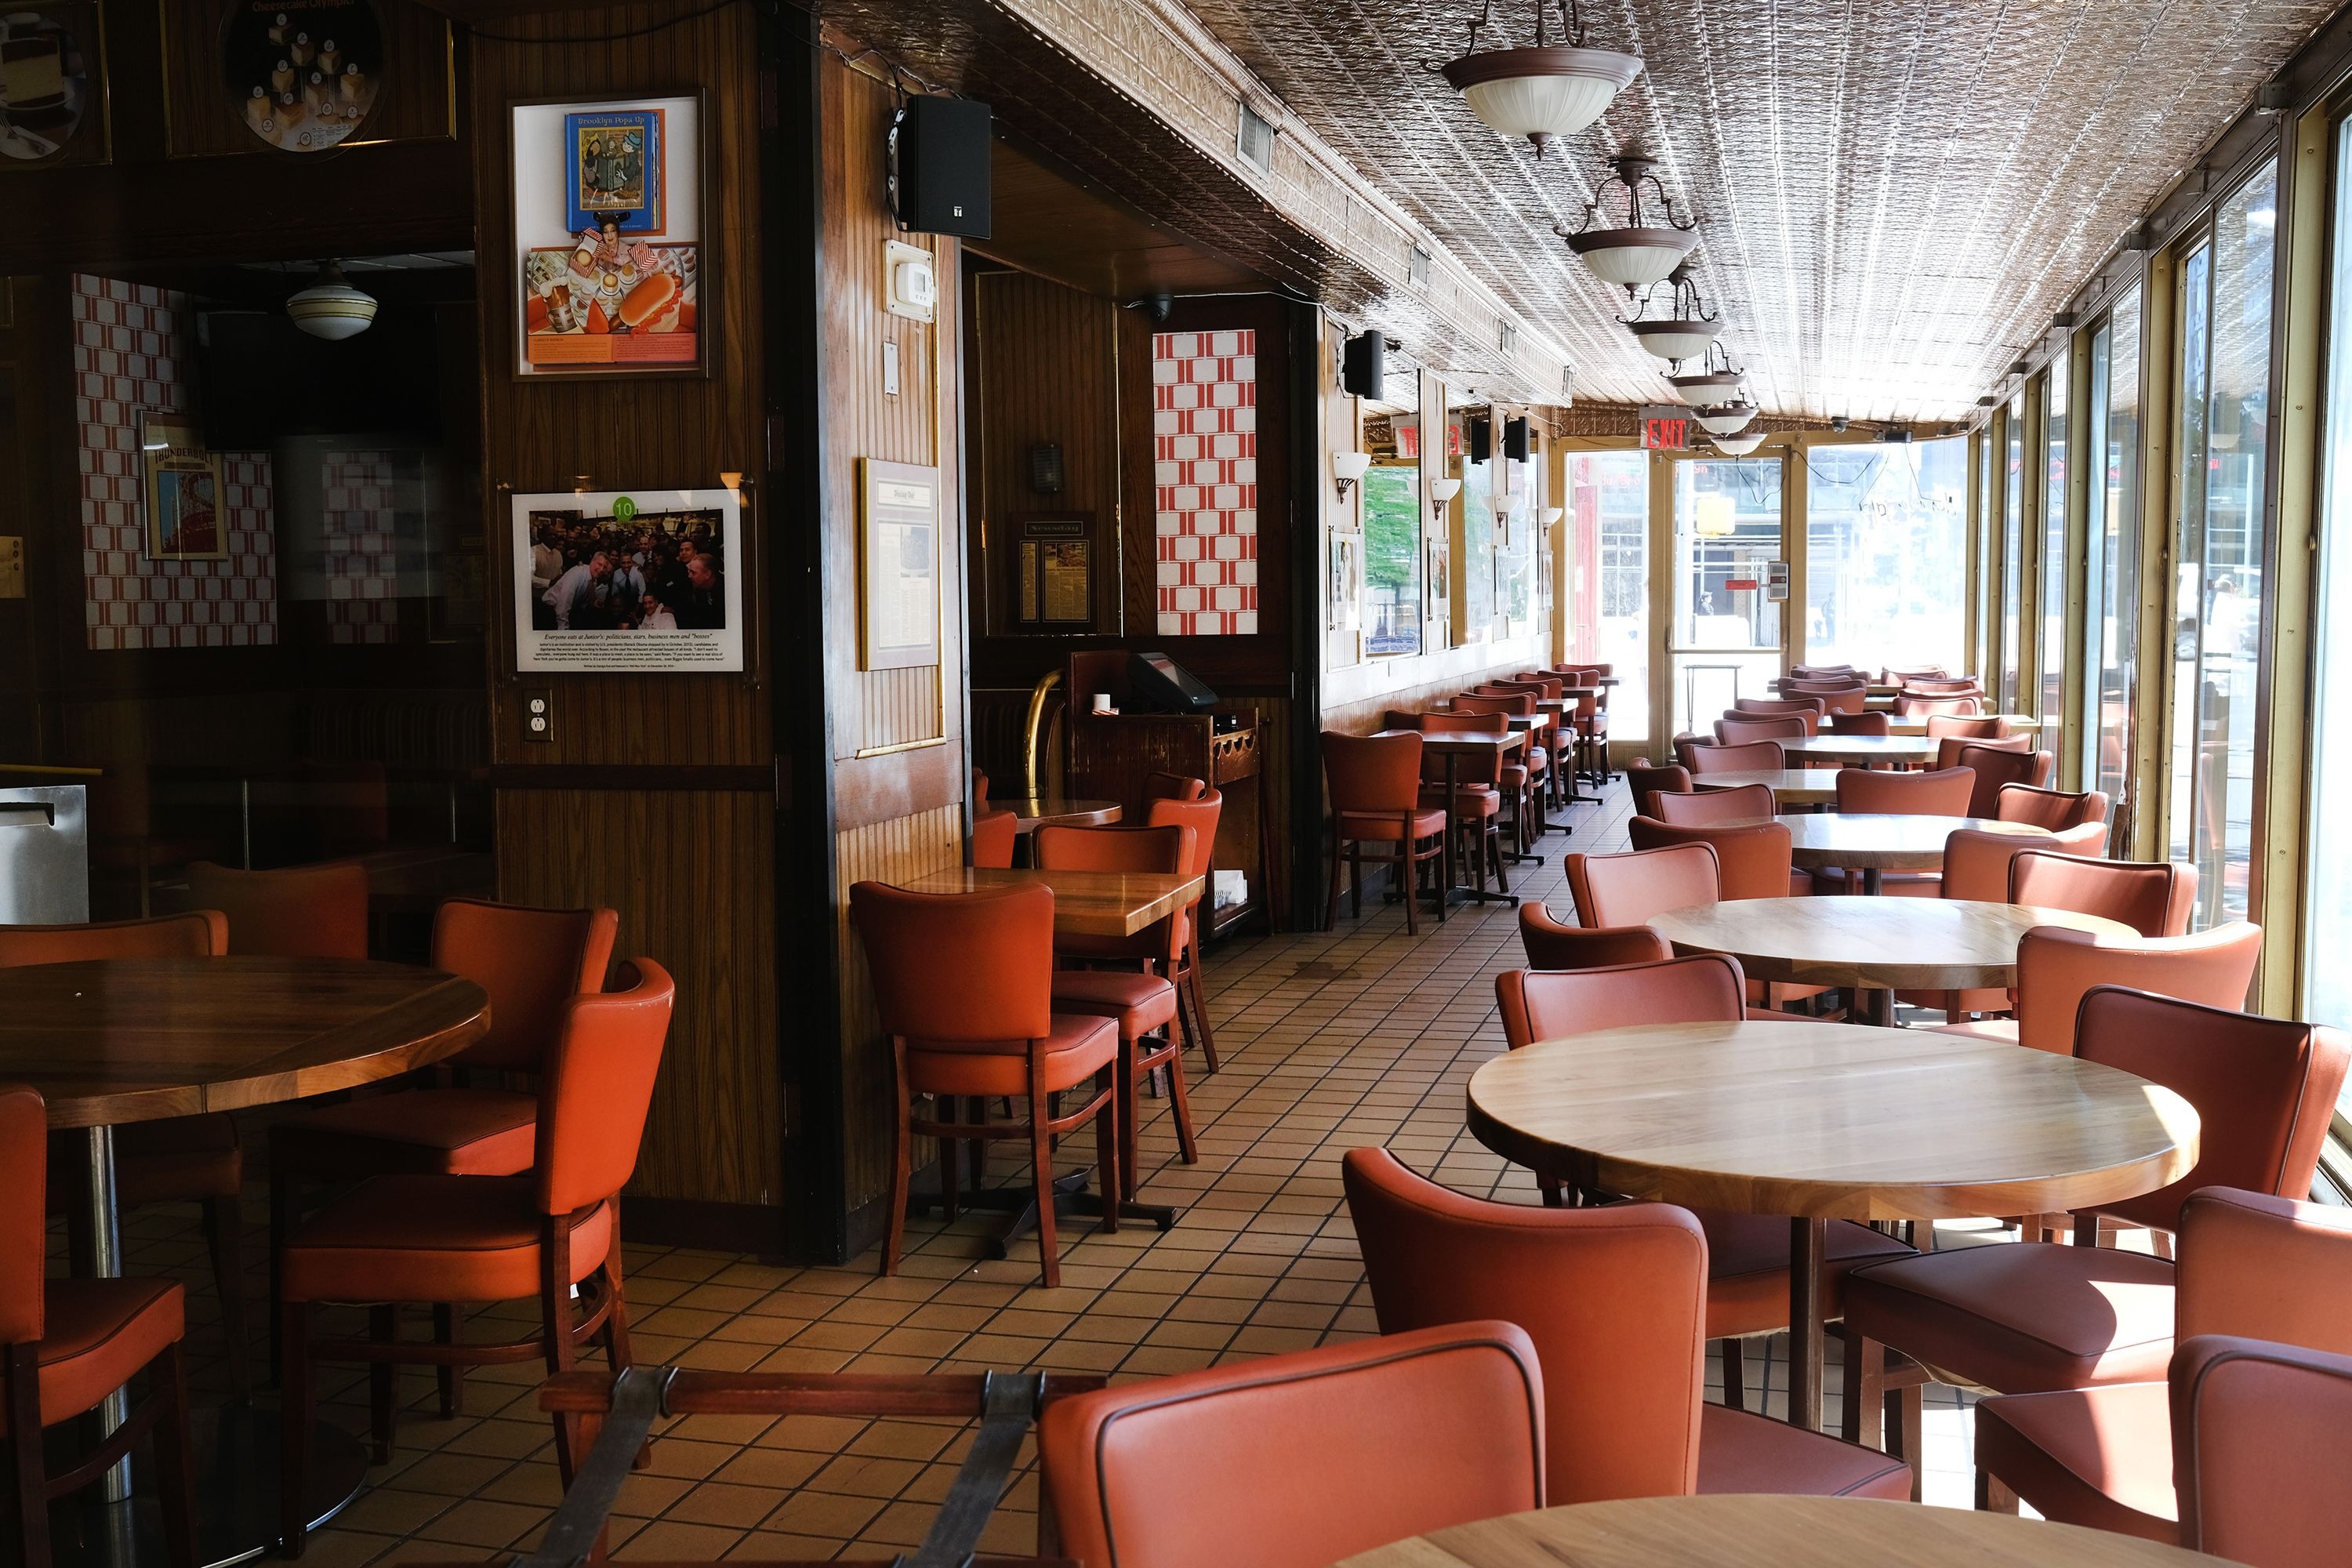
(1073, 1195)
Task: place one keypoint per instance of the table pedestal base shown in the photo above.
(237, 1497)
(1072, 1198)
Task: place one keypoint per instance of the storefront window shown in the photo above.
(2012, 548)
(2051, 650)
(1477, 569)
(2111, 622)
(1609, 578)
(1393, 514)
(2328, 916)
(1886, 555)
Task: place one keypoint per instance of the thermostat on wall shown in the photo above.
(914, 284)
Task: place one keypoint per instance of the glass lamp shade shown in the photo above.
(1633, 257)
(1706, 391)
(1728, 420)
(1674, 340)
(1739, 446)
(332, 308)
(1349, 467)
(1444, 490)
(1541, 93)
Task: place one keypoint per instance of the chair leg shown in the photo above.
(1115, 1144)
(1129, 1091)
(1911, 1420)
(1041, 1172)
(294, 1414)
(1864, 1418)
(1331, 907)
(1735, 1376)
(1993, 1495)
(384, 1327)
(31, 1488)
(224, 1233)
(950, 1152)
(1408, 873)
(447, 1318)
(556, 1345)
(175, 1476)
(1201, 1005)
(1181, 1103)
(902, 1176)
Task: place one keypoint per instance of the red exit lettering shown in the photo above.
(1662, 435)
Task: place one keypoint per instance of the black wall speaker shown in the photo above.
(1045, 467)
(1515, 439)
(938, 166)
(1363, 365)
(1482, 439)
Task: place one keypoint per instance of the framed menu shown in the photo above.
(897, 566)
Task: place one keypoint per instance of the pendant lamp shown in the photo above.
(1542, 90)
(1726, 419)
(331, 308)
(1648, 243)
(1685, 328)
(1715, 383)
(1739, 446)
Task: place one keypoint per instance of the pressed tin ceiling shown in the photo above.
(1893, 196)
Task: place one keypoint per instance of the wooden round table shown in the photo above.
(1772, 1532)
(1885, 945)
(1824, 1122)
(1030, 811)
(1789, 786)
(142, 1039)
(1872, 842)
(1861, 751)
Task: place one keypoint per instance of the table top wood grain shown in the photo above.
(1030, 811)
(1086, 903)
(136, 1039)
(1836, 1120)
(1830, 748)
(1870, 841)
(1905, 944)
(1789, 786)
(1772, 1532)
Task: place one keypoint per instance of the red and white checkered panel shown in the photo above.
(128, 352)
(1204, 456)
(362, 581)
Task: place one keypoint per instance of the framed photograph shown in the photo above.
(52, 84)
(302, 74)
(609, 265)
(646, 580)
(897, 566)
(1346, 559)
(180, 489)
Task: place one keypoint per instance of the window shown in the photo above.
(1727, 631)
(2327, 914)
(1477, 569)
(2111, 617)
(1392, 611)
(1886, 555)
(1609, 578)
(2012, 547)
(2050, 652)
(1983, 657)
(2218, 581)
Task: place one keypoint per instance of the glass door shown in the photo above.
(1726, 636)
(2110, 628)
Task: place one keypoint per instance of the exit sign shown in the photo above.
(1665, 428)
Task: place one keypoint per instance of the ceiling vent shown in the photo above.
(1256, 143)
(1419, 268)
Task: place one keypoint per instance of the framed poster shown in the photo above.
(1056, 584)
(302, 74)
(609, 272)
(1347, 557)
(52, 84)
(643, 580)
(180, 487)
(897, 566)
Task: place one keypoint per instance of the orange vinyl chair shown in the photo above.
(1309, 1457)
(1897, 673)
(1944, 792)
(1835, 700)
(1525, 783)
(1861, 724)
(2058, 966)
(994, 833)
(69, 1343)
(2030, 1316)
(1747, 1255)
(2055, 809)
(1751, 858)
(435, 1238)
(1627, 890)
(1139, 996)
(1976, 867)
(1199, 810)
(1615, 1299)
(1777, 707)
(980, 785)
(1807, 715)
(296, 911)
(1744, 802)
(1399, 718)
(1643, 780)
(963, 983)
(2153, 898)
(1173, 786)
(1949, 747)
(2259, 1390)
(1745, 757)
(1740, 732)
(183, 1159)
(1826, 670)
(1477, 792)
(1911, 705)
(1943, 686)
(1998, 769)
(1551, 946)
(1374, 783)
(1943, 725)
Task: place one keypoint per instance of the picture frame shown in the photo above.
(1346, 612)
(302, 76)
(184, 508)
(1055, 578)
(637, 582)
(898, 565)
(53, 88)
(629, 181)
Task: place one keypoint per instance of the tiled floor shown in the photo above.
(1362, 1035)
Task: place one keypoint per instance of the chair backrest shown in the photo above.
(1911, 706)
(1777, 707)
(960, 969)
(1166, 851)
(1747, 757)
(1479, 768)
(1627, 890)
(1375, 773)
(1997, 769)
(1642, 780)
(1399, 719)
(1824, 669)
(1751, 862)
(1549, 1005)
(597, 1086)
(2265, 1267)
(1297, 1460)
(1892, 674)
(1855, 699)
(1861, 724)
(1809, 716)
(1200, 812)
(1614, 1299)
(1551, 946)
(1976, 863)
(1744, 802)
(1740, 732)
(1949, 747)
(1173, 786)
(980, 785)
(296, 911)
(2263, 1089)
(1518, 702)
(2258, 1435)
(2155, 898)
(1940, 725)
(530, 962)
(2051, 808)
(1943, 686)
(1944, 792)
(24, 1212)
(197, 933)
(2056, 967)
(994, 835)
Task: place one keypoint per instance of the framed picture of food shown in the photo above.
(52, 84)
(181, 488)
(611, 272)
(302, 74)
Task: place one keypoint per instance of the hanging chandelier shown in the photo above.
(1686, 330)
(331, 308)
(1545, 90)
(1713, 385)
(1739, 446)
(1647, 247)
(1726, 419)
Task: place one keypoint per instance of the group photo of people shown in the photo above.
(653, 571)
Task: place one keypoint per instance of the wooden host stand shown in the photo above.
(1111, 755)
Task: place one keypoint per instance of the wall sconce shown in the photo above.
(1552, 515)
(1346, 468)
(1441, 492)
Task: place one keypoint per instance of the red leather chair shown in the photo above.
(1748, 756)
(1699, 808)
(1374, 783)
(1551, 946)
(994, 835)
(2057, 967)
(1477, 792)
(183, 1159)
(2260, 1286)
(1861, 724)
(1777, 707)
(66, 1344)
(1741, 731)
(1643, 780)
(1752, 860)
(1139, 994)
(1616, 1301)
(1200, 811)
(1173, 786)
(1949, 747)
(1627, 890)
(963, 985)
(1979, 728)
(1526, 778)
(2054, 809)
(1998, 767)
(1944, 792)
(1297, 1460)
(1916, 705)
(296, 911)
(1975, 868)
(1852, 698)
(2153, 898)
(2028, 1317)
(1743, 713)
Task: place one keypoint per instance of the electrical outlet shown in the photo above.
(539, 715)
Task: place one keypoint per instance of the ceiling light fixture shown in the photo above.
(1544, 90)
(1687, 327)
(1643, 249)
(1739, 446)
(1726, 420)
(331, 308)
(1714, 385)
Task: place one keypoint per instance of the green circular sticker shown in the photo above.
(624, 508)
